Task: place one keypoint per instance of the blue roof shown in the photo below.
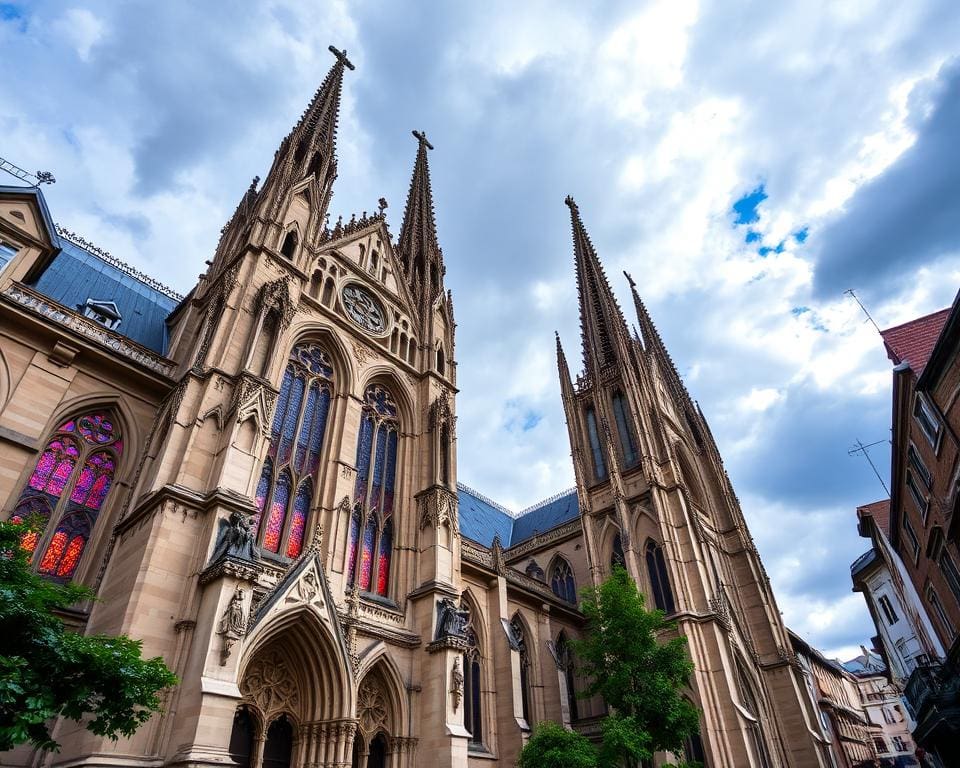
(481, 519)
(76, 275)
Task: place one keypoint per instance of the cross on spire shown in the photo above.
(341, 57)
(422, 138)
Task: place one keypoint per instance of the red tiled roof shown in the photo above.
(879, 511)
(913, 342)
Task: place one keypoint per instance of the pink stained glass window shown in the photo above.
(94, 481)
(55, 466)
(65, 548)
(262, 492)
(354, 543)
(68, 426)
(278, 513)
(383, 560)
(298, 524)
(68, 564)
(96, 428)
(366, 555)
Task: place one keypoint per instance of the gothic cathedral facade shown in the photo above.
(259, 481)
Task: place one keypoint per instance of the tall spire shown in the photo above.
(418, 248)
(601, 319)
(310, 147)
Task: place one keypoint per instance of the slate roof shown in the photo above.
(481, 518)
(76, 275)
(913, 342)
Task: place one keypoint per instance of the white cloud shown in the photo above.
(82, 29)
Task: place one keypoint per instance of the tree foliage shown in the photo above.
(47, 670)
(553, 746)
(639, 676)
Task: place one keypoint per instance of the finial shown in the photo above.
(382, 205)
(629, 279)
(422, 138)
(341, 57)
(571, 204)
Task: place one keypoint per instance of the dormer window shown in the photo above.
(103, 312)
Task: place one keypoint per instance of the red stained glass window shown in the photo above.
(366, 556)
(70, 483)
(293, 458)
(383, 561)
(354, 536)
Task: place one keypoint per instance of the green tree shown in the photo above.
(638, 676)
(47, 670)
(553, 746)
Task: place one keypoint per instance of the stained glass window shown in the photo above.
(377, 445)
(617, 557)
(516, 625)
(659, 582)
(69, 483)
(621, 413)
(599, 466)
(562, 582)
(293, 458)
(473, 709)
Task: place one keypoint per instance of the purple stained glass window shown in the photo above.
(364, 444)
(319, 427)
(366, 555)
(301, 507)
(379, 460)
(278, 512)
(354, 543)
(391, 472)
(68, 426)
(383, 561)
(263, 490)
(94, 481)
(55, 466)
(283, 402)
(306, 425)
(96, 428)
(290, 420)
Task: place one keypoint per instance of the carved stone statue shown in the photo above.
(456, 683)
(233, 625)
(235, 539)
(451, 621)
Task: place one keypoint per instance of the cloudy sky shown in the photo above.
(747, 163)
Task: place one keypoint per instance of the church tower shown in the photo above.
(654, 497)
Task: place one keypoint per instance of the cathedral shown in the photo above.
(259, 481)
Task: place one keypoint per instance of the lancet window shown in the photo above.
(566, 662)
(562, 582)
(593, 433)
(516, 626)
(473, 711)
(284, 492)
(621, 412)
(617, 556)
(69, 484)
(371, 523)
(659, 581)
(749, 702)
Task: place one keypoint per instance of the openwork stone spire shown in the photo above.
(418, 248)
(601, 319)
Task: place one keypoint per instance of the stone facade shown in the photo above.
(282, 520)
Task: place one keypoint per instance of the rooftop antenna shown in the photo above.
(860, 448)
(850, 292)
(33, 179)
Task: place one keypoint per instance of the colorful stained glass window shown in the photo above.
(562, 582)
(70, 483)
(301, 506)
(377, 445)
(278, 512)
(293, 458)
(354, 537)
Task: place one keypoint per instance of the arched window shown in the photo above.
(370, 551)
(659, 582)
(749, 701)
(562, 582)
(472, 709)
(242, 737)
(599, 466)
(285, 491)
(621, 412)
(441, 362)
(289, 247)
(278, 749)
(445, 454)
(516, 625)
(69, 484)
(616, 555)
(566, 662)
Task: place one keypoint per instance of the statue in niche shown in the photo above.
(233, 625)
(451, 621)
(235, 539)
(456, 684)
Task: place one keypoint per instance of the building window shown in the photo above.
(289, 247)
(285, 490)
(659, 581)
(518, 635)
(912, 541)
(567, 666)
(7, 252)
(617, 556)
(621, 413)
(899, 744)
(599, 466)
(888, 717)
(472, 710)
(928, 420)
(69, 483)
(693, 750)
(934, 600)
(913, 456)
(749, 702)
(104, 312)
(562, 582)
(918, 496)
(887, 607)
(880, 745)
(950, 573)
(377, 443)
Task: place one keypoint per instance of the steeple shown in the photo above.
(418, 248)
(311, 146)
(601, 319)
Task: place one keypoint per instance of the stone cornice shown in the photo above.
(188, 499)
(550, 538)
(49, 310)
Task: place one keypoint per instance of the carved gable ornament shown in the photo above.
(275, 297)
(270, 684)
(253, 399)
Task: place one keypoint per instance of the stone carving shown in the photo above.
(252, 399)
(371, 707)
(232, 626)
(361, 353)
(438, 507)
(440, 412)
(270, 684)
(451, 620)
(275, 297)
(235, 539)
(456, 683)
(499, 562)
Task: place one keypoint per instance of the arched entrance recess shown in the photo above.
(379, 716)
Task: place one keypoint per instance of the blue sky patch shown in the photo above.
(801, 236)
(753, 236)
(746, 207)
(9, 11)
(797, 311)
(766, 250)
